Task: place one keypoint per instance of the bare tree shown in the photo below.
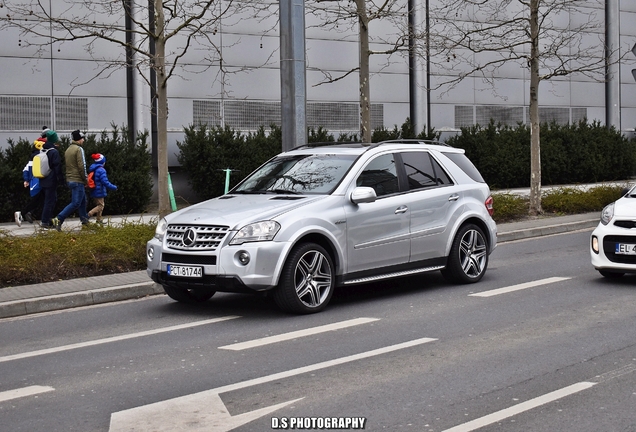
(158, 40)
(344, 16)
(549, 38)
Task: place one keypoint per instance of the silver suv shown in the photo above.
(328, 215)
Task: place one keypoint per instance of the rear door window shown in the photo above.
(423, 171)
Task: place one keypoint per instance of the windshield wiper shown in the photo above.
(283, 192)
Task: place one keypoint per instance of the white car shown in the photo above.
(613, 242)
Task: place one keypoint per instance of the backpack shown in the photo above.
(90, 180)
(41, 167)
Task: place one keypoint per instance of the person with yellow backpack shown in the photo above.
(33, 183)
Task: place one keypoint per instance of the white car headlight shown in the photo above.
(259, 231)
(162, 226)
(607, 214)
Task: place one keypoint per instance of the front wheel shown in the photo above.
(184, 295)
(468, 257)
(307, 281)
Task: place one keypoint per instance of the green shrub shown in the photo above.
(51, 256)
(128, 166)
(570, 200)
(509, 207)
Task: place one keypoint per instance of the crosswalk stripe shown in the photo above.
(297, 334)
(518, 287)
(22, 392)
(113, 339)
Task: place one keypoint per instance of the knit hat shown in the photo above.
(45, 129)
(99, 158)
(77, 135)
(51, 136)
(38, 144)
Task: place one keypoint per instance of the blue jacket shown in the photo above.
(101, 181)
(27, 175)
(55, 163)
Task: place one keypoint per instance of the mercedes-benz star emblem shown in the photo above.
(189, 237)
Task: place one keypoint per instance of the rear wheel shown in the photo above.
(611, 275)
(189, 296)
(468, 257)
(307, 280)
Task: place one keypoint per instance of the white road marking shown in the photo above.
(519, 408)
(113, 339)
(297, 334)
(518, 287)
(22, 392)
(168, 415)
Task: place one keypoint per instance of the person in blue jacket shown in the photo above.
(33, 183)
(102, 185)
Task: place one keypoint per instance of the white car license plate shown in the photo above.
(185, 271)
(625, 249)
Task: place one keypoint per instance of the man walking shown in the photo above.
(48, 184)
(76, 181)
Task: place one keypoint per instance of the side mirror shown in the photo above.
(363, 194)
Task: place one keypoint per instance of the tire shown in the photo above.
(307, 281)
(611, 275)
(468, 258)
(183, 295)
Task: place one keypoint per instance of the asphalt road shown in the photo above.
(542, 343)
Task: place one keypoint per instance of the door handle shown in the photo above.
(401, 209)
(454, 197)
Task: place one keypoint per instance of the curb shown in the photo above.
(76, 299)
(546, 230)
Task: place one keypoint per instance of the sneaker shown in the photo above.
(29, 217)
(56, 223)
(18, 218)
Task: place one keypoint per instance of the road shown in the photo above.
(542, 343)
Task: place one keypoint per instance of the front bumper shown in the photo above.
(222, 269)
(606, 237)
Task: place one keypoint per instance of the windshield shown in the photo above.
(298, 174)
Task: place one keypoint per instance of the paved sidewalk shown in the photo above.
(44, 297)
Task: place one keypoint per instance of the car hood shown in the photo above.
(236, 211)
(625, 208)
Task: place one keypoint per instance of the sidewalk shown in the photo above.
(44, 297)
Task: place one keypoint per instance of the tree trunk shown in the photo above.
(162, 111)
(365, 92)
(535, 153)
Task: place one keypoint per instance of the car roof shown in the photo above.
(357, 148)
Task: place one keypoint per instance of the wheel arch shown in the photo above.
(475, 221)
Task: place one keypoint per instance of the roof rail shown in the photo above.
(413, 141)
(330, 143)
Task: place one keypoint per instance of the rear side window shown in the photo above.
(422, 171)
(466, 165)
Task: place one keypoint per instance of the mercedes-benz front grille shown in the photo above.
(195, 237)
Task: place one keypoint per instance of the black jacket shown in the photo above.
(55, 163)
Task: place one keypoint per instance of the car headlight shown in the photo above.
(162, 226)
(259, 231)
(607, 214)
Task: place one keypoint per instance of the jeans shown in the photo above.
(78, 202)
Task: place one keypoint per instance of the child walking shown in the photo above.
(99, 192)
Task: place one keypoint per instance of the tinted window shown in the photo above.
(301, 174)
(423, 171)
(466, 165)
(380, 175)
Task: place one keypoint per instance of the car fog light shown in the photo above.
(243, 257)
(595, 244)
(151, 253)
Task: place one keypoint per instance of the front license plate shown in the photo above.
(185, 271)
(625, 249)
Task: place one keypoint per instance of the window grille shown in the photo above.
(71, 114)
(24, 113)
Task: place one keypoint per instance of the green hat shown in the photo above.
(51, 136)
